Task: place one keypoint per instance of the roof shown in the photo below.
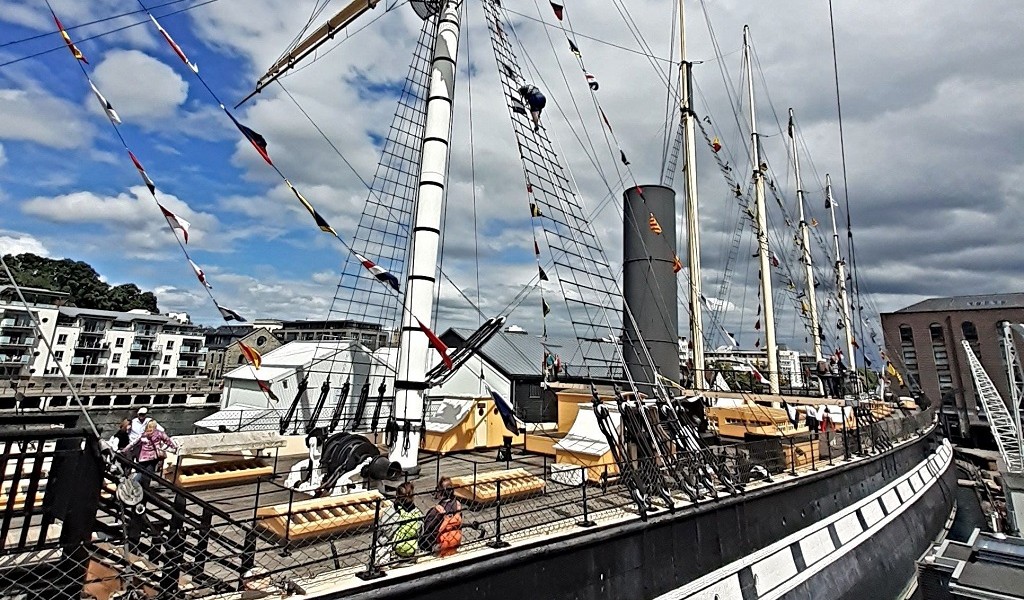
(520, 354)
(283, 360)
(116, 315)
(979, 302)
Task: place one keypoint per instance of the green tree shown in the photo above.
(79, 280)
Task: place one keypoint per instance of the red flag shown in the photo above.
(716, 145)
(174, 46)
(176, 222)
(258, 141)
(67, 40)
(677, 265)
(437, 344)
(559, 10)
(250, 354)
(605, 119)
(265, 388)
(145, 178)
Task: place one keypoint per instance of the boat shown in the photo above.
(631, 494)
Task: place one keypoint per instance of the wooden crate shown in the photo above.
(319, 517)
(515, 484)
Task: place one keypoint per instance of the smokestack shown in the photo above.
(649, 284)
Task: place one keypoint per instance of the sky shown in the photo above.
(930, 97)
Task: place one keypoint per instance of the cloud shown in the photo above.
(3, 156)
(119, 77)
(13, 242)
(30, 114)
(131, 218)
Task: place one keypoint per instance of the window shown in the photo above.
(941, 356)
(971, 336)
(907, 335)
(112, 373)
(241, 359)
(116, 358)
(163, 373)
(937, 334)
(119, 343)
(167, 359)
(62, 339)
(170, 344)
(261, 340)
(58, 355)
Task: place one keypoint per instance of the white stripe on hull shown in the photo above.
(774, 567)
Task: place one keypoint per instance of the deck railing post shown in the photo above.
(828, 439)
(586, 522)
(373, 571)
(814, 442)
(792, 458)
(288, 524)
(498, 542)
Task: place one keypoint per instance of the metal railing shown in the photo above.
(260, 535)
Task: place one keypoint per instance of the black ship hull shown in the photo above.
(848, 532)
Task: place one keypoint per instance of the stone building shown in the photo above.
(925, 340)
(222, 350)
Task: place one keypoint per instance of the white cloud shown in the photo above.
(13, 242)
(131, 218)
(140, 87)
(3, 156)
(31, 114)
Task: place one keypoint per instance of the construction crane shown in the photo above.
(1004, 429)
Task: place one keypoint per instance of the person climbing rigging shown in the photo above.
(535, 100)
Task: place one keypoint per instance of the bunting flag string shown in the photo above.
(379, 272)
(251, 354)
(436, 344)
(174, 46)
(265, 388)
(67, 39)
(654, 225)
(320, 221)
(105, 105)
(178, 225)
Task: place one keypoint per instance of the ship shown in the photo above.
(651, 482)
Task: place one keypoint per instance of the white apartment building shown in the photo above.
(122, 344)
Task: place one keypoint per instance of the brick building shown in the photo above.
(925, 340)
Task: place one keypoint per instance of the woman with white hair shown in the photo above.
(153, 445)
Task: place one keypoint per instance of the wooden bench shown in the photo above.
(318, 517)
(515, 484)
(21, 495)
(221, 473)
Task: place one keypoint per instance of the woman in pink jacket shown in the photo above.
(152, 444)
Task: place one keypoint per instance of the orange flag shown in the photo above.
(250, 354)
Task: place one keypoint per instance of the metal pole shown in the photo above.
(840, 267)
(414, 350)
(586, 522)
(805, 243)
(762, 228)
(498, 542)
(692, 210)
(792, 458)
(372, 570)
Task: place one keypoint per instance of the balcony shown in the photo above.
(147, 348)
(192, 350)
(84, 344)
(14, 360)
(87, 360)
(16, 323)
(145, 333)
(22, 342)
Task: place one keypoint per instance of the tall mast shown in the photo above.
(692, 223)
(844, 302)
(414, 350)
(762, 229)
(805, 236)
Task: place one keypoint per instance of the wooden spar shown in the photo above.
(323, 34)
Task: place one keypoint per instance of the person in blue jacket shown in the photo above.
(535, 100)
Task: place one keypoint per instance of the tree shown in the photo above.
(81, 281)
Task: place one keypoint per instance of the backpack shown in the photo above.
(449, 534)
(407, 533)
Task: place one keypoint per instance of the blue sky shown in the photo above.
(930, 96)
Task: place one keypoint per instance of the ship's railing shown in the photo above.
(265, 536)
